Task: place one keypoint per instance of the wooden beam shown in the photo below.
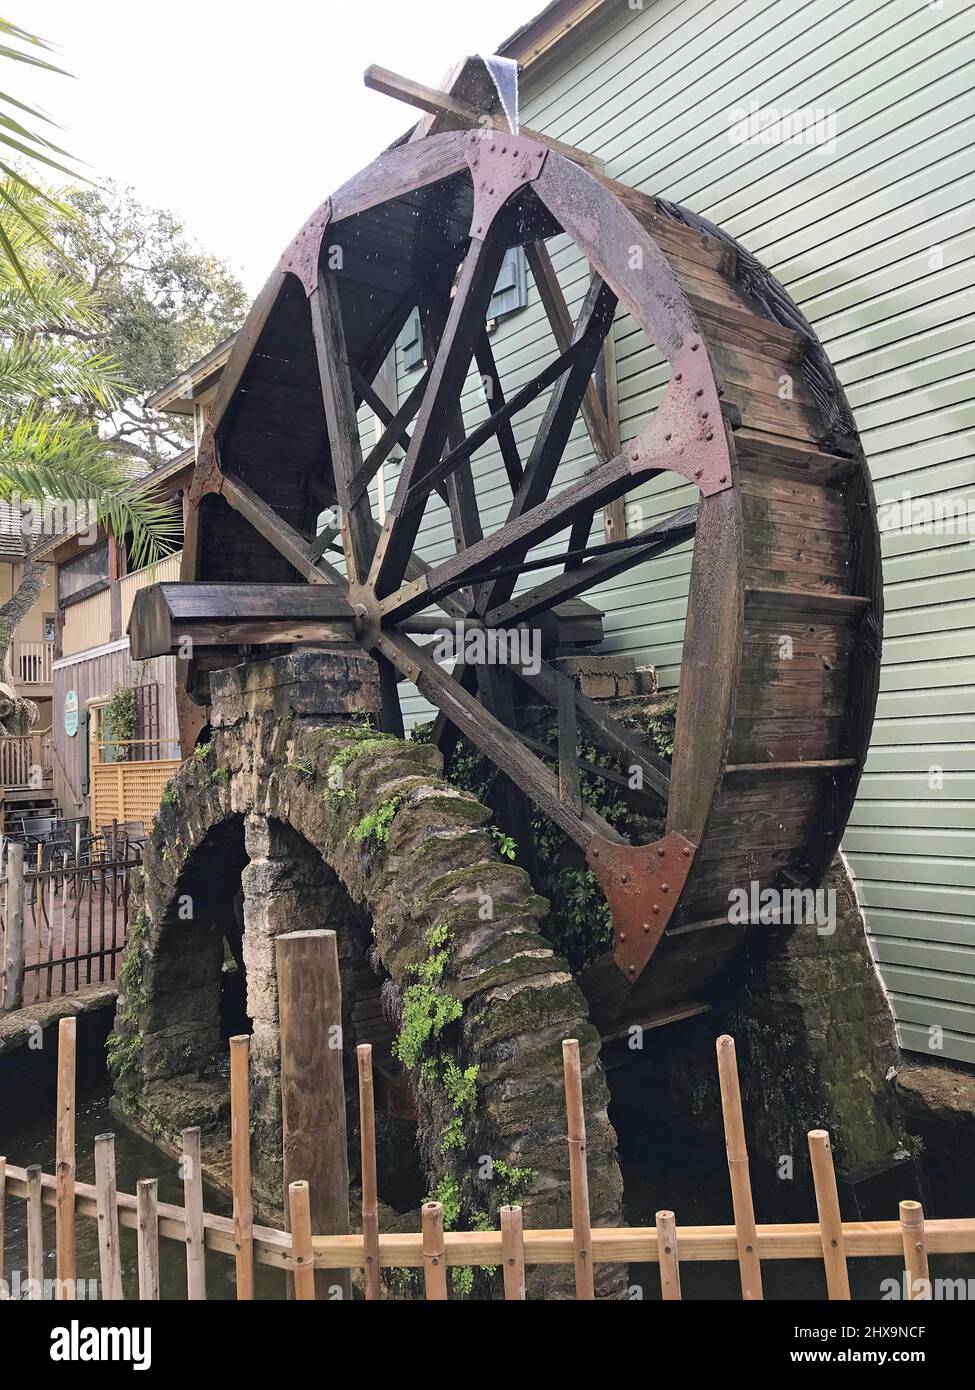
(438, 103)
(312, 1087)
(164, 616)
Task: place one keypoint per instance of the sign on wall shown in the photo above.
(71, 713)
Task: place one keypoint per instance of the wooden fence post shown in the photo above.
(830, 1220)
(370, 1192)
(915, 1251)
(3, 1209)
(741, 1189)
(106, 1202)
(513, 1253)
(667, 1256)
(35, 1233)
(196, 1273)
(302, 1253)
(66, 1267)
(578, 1174)
(240, 1160)
(434, 1253)
(14, 959)
(147, 1210)
(312, 1086)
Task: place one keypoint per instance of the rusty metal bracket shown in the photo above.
(687, 434)
(642, 884)
(207, 476)
(500, 164)
(301, 257)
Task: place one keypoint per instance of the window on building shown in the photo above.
(80, 573)
(510, 294)
(511, 291)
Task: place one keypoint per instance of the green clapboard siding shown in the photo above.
(874, 238)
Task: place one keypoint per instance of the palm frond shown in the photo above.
(25, 140)
(39, 368)
(62, 460)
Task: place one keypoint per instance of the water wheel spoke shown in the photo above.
(488, 368)
(595, 319)
(595, 566)
(609, 733)
(284, 538)
(393, 434)
(341, 422)
(513, 540)
(560, 321)
(455, 352)
(499, 743)
(498, 420)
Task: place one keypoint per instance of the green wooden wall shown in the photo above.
(874, 237)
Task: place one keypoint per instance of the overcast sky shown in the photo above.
(242, 117)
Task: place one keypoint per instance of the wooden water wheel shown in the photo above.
(780, 657)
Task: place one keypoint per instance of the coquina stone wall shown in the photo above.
(302, 811)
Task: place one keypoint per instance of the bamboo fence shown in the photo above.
(299, 1252)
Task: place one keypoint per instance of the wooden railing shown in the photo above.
(32, 662)
(16, 760)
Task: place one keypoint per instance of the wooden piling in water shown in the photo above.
(915, 1251)
(434, 1252)
(302, 1254)
(578, 1174)
(35, 1232)
(3, 1209)
(370, 1186)
(147, 1238)
(14, 948)
(513, 1253)
(667, 1256)
(66, 1264)
(312, 1086)
(741, 1189)
(192, 1169)
(106, 1199)
(240, 1162)
(830, 1220)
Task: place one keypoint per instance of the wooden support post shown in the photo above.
(3, 1209)
(35, 1233)
(578, 1174)
(741, 1190)
(434, 1253)
(370, 1191)
(196, 1274)
(513, 1253)
(302, 1253)
(147, 1210)
(830, 1220)
(312, 1087)
(13, 968)
(240, 1159)
(915, 1251)
(65, 1159)
(106, 1202)
(667, 1256)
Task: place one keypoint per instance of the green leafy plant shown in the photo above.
(118, 724)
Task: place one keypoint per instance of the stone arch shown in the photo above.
(360, 831)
